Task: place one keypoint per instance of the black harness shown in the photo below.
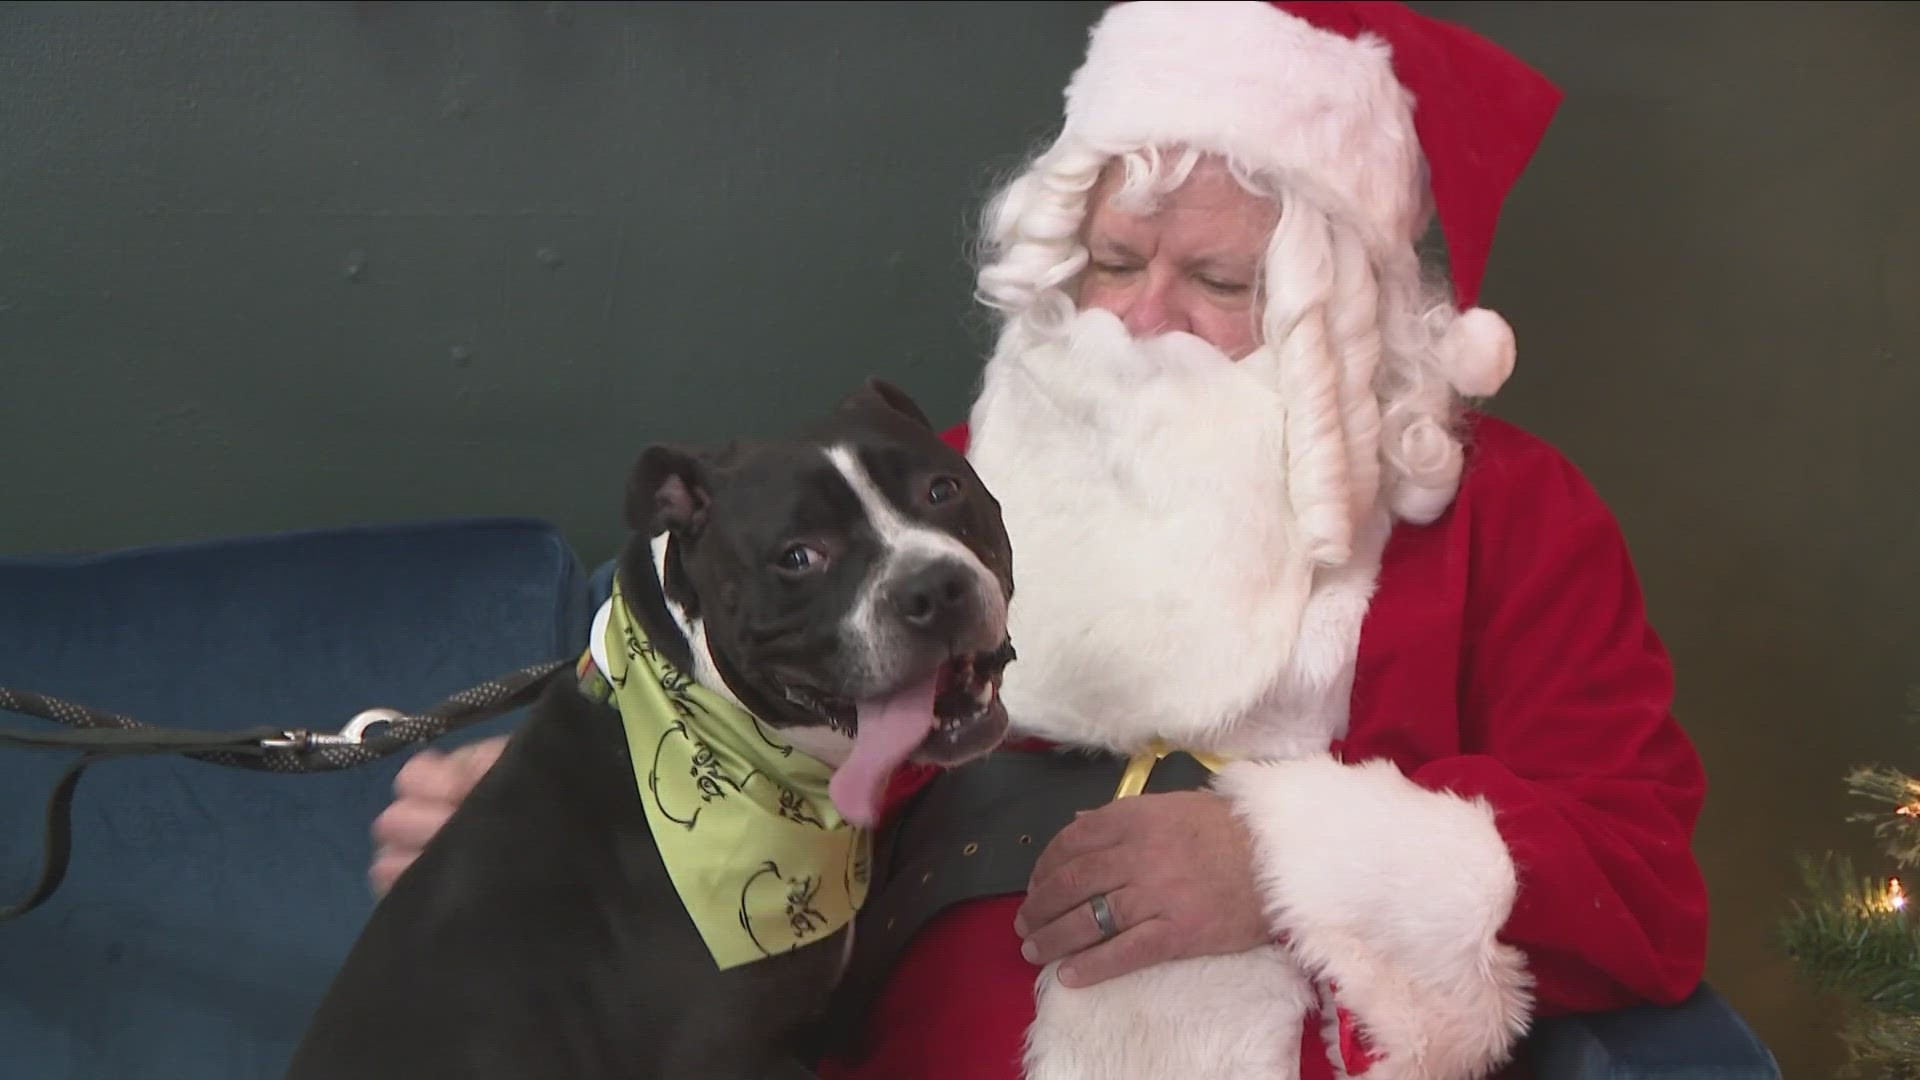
(974, 832)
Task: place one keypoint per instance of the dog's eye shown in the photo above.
(800, 558)
(945, 489)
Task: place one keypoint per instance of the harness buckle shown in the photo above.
(353, 734)
(356, 730)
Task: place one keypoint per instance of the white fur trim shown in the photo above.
(1479, 350)
(1330, 1032)
(1396, 894)
(1243, 78)
(1207, 1018)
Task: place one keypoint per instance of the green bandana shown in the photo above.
(763, 862)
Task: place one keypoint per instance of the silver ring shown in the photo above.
(1103, 916)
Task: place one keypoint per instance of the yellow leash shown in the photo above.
(1141, 765)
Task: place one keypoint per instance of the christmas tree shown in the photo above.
(1856, 936)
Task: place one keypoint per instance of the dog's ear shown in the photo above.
(881, 394)
(669, 490)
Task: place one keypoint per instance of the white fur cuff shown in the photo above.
(1394, 895)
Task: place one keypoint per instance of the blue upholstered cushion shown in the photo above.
(205, 907)
(600, 584)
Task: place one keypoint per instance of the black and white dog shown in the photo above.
(816, 581)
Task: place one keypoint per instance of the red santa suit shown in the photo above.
(1507, 674)
(1421, 648)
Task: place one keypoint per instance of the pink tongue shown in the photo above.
(891, 728)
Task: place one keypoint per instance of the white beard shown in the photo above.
(1160, 575)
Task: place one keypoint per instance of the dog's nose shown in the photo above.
(937, 596)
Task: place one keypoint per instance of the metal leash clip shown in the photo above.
(353, 734)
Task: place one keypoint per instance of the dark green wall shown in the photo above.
(277, 265)
(281, 266)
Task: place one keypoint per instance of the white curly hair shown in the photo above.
(1354, 325)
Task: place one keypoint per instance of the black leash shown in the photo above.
(366, 738)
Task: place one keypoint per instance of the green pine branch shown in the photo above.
(1882, 784)
(1899, 833)
(1843, 940)
(1881, 1047)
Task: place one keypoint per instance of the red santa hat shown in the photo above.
(1357, 104)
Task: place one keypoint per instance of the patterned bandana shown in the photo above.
(763, 862)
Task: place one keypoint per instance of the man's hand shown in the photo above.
(1177, 872)
(427, 790)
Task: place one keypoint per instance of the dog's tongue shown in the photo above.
(890, 729)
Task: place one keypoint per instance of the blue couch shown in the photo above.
(206, 908)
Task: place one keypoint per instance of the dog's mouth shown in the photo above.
(944, 719)
(966, 688)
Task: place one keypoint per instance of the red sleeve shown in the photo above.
(1452, 873)
(1568, 734)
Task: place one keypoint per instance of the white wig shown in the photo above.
(1352, 328)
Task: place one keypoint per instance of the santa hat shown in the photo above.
(1346, 100)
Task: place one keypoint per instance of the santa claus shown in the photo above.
(1255, 522)
(1343, 746)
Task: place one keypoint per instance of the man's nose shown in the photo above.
(1153, 306)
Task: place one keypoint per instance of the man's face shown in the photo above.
(1190, 265)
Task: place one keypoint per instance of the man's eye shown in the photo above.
(1111, 268)
(800, 558)
(1225, 288)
